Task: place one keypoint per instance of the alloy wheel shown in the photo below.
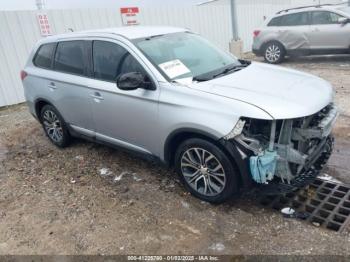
(203, 171)
(273, 53)
(52, 126)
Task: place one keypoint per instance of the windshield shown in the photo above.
(185, 55)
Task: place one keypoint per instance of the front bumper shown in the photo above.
(302, 147)
(276, 187)
(241, 155)
(323, 129)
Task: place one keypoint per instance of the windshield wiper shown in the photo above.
(229, 70)
(200, 79)
(225, 71)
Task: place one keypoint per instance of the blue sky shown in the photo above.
(54, 4)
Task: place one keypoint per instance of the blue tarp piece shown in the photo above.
(263, 167)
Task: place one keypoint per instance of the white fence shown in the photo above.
(19, 29)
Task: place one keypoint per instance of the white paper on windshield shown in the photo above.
(174, 68)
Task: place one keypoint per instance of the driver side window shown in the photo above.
(324, 18)
(130, 64)
(110, 60)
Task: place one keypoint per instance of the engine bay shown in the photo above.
(287, 149)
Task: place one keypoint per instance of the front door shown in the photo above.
(327, 33)
(125, 118)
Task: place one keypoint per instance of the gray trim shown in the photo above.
(83, 131)
(121, 143)
(109, 139)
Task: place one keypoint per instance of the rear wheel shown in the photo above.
(206, 171)
(54, 126)
(274, 53)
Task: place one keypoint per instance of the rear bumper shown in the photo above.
(257, 52)
(31, 108)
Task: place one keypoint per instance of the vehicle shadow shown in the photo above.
(342, 59)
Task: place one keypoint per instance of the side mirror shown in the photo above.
(343, 20)
(132, 81)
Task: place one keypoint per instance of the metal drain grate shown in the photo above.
(325, 203)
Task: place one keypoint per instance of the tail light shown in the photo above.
(23, 74)
(256, 33)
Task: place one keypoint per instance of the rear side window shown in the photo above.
(44, 55)
(276, 21)
(110, 60)
(324, 18)
(295, 19)
(70, 57)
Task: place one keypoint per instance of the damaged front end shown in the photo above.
(287, 152)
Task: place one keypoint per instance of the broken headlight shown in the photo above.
(237, 130)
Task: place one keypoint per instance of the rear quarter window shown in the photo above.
(43, 57)
(70, 57)
(276, 21)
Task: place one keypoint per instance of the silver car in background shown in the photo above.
(170, 95)
(312, 30)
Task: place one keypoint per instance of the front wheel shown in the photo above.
(274, 53)
(206, 171)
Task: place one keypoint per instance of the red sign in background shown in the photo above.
(129, 15)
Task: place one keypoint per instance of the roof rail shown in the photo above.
(308, 6)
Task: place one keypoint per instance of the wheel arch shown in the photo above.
(180, 135)
(263, 46)
(39, 103)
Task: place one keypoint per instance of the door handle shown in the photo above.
(97, 95)
(52, 85)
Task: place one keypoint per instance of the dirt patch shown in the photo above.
(3, 151)
(69, 201)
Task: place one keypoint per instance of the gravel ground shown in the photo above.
(68, 201)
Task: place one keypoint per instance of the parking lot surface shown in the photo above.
(91, 199)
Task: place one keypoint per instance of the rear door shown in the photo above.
(69, 84)
(292, 30)
(327, 33)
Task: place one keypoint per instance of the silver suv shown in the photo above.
(168, 94)
(313, 30)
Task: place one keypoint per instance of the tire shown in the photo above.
(54, 126)
(274, 53)
(218, 173)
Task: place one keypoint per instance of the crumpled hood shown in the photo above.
(283, 93)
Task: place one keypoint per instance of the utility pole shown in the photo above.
(235, 45)
(40, 4)
(233, 12)
(234, 19)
